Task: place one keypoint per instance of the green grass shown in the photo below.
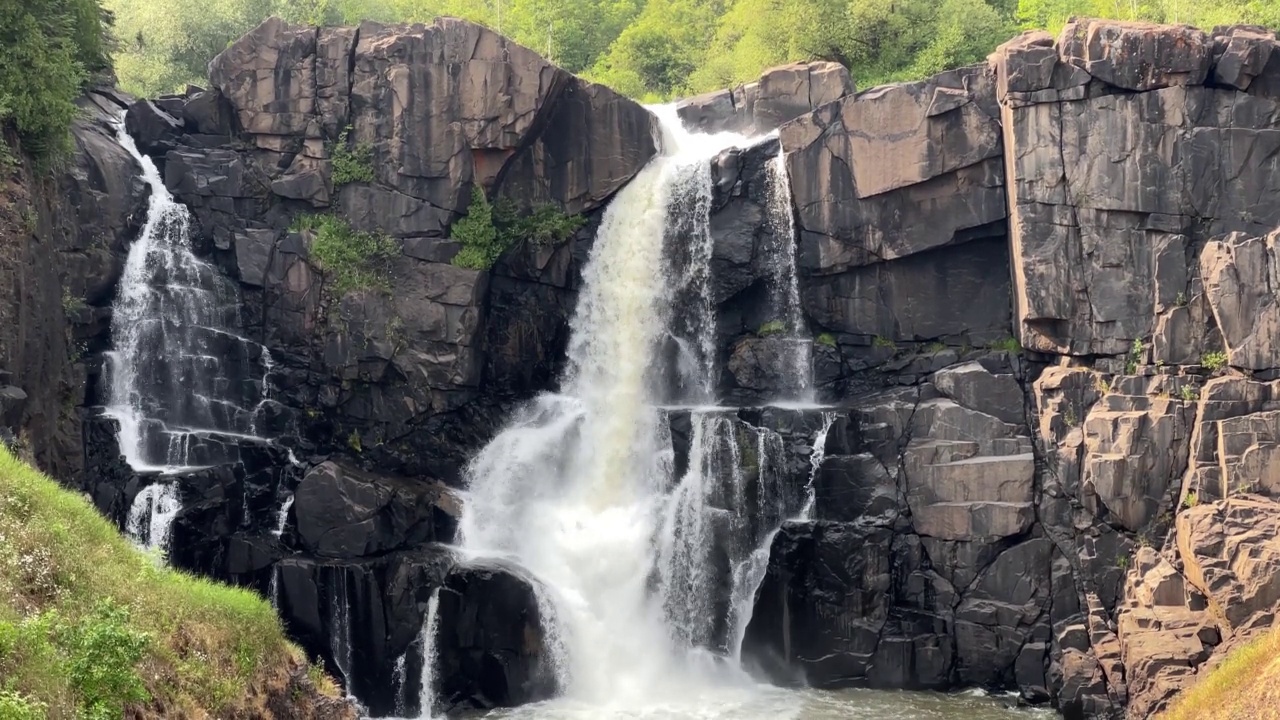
(826, 340)
(349, 259)
(1245, 685)
(1009, 344)
(89, 625)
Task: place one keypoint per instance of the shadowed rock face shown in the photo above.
(1041, 293)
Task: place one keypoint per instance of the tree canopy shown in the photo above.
(656, 49)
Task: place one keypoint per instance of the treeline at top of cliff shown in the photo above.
(648, 49)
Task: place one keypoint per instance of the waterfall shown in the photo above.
(151, 516)
(426, 693)
(576, 487)
(784, 285)
(185, 386)
(282, 516)
(815, 464)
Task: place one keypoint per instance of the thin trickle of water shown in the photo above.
(784, 285)
(427, 682)
(340, 630)
(400, 679)
(184, 384)
(282, 516)
(152, 514)
(815, 463)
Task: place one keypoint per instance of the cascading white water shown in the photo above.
(575, 489)
(152, 514)
(784, 285)
(815, 464)
(185, 386)
(180, 387)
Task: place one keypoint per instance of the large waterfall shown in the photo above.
(178, 386)
(581, 488)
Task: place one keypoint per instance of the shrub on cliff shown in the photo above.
(490, 229)
(50, 48)
(90, 626)
(350, 259)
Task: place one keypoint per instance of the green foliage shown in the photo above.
(89, 625)
(1188, 393)
(351, 164)
(1009, 344)
(103, 652)
(353, 442)
(350, 260)
(883, 343)
(1191, 500)
(826, 340)
(50, 49)
(18, 707)
(477, 233)
(1214, 361)
(772, 327)
(1135, 357)
(489, 229)
(657, 49)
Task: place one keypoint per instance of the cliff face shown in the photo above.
(1041, 293)
(1012, 519)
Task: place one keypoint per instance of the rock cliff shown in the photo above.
(1040, 290)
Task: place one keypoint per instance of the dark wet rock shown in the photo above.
(493, 645)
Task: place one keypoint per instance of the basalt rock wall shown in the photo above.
(1079, 510)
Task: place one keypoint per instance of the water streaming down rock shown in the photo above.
(642, 544)
(815, 464)
(576, 487)
(426, 686)
(185, 385)
(784, 287)
(151, 515)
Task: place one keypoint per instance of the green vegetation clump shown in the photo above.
(1188, 393)
(90, 626)
(490, 229)
(1009, 344)
(826, 340)
(1135, 357)
(883, 343)
(351, 260)
(1214, 361)
(772, 327)
(351, 164)
(51, 47)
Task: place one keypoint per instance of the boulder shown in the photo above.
(494, 647)
(781, 94)
(345, 513)
(1239, 274)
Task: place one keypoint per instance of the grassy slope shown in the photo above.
(89, 625)
(1245, 686)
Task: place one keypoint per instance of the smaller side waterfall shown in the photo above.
(427, 693)
(282, 517)
(185, 385)
(815, 464)
(152, 514)
(784, 286)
